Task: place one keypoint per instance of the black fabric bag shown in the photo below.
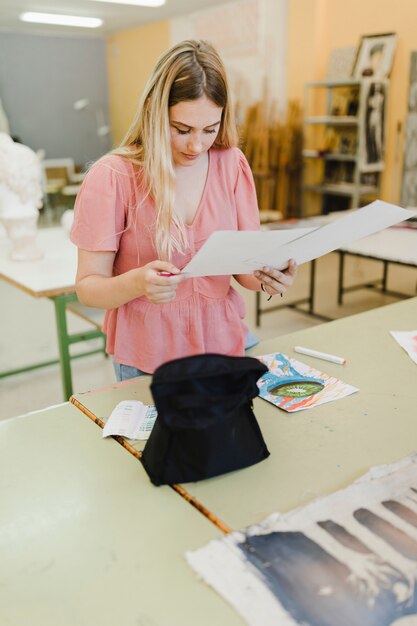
(205, 424)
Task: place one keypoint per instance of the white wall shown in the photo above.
(40, 78)
(251, 36)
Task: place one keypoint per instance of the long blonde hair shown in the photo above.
(187, 71)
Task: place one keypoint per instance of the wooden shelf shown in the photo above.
(346, 82)
(329, 156)
(333, 120)
(339, 134)
(342, 189)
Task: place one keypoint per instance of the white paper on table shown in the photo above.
(132, 419)
(407, 340)
(233, 252)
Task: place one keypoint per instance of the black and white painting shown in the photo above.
(348, 559)
(373, 126)
(409, 181)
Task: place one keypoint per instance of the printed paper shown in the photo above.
(132, 419)
(293, 386)
(408, 340)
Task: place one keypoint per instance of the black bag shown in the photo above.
(205, 424)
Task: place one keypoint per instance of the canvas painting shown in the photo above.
(373, 127)
(348, 559)
(340, 63)
(409, 182)
(293, 386)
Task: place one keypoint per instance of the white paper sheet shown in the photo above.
(229, 251)
(407, 340)
(242, 252)
(132, 419)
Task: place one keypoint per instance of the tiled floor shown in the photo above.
(29, 335)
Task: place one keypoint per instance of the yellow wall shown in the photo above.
(131, 56)
(318, 26)
(315, 27)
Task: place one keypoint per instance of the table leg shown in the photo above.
(65, 340)
(385, 276)
(341, 273)
(257, 308)
(312, 284)
(63, 343)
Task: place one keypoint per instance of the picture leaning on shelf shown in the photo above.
(375, 56)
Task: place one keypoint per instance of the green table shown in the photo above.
(325, 448)
(86, 540)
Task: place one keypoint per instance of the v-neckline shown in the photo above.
(203, 195)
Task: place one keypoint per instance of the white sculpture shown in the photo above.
(21, 176)
(20, 196)
(4, 124)
(67, 220)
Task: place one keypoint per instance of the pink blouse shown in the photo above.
(207, 313)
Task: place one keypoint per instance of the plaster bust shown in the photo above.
(20, 180)
(20, 197)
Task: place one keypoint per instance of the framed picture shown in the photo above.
(375, 56)
(409, 182)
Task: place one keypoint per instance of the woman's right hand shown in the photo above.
(152, 281)
(98, 287)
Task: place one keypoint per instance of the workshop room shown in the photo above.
(208, 223)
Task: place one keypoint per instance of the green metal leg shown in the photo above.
(63, 342)
(27, 368)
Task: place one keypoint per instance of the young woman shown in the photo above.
(146, 208)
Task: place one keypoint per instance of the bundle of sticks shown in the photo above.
(274, 151)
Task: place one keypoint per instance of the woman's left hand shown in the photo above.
(277, 281)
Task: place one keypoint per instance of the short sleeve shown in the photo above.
(100, 206)
(245, 196)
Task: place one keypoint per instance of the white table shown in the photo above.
(52, 277)
(396, 245)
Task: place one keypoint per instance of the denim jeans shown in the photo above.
(251, 340)
(124, 372)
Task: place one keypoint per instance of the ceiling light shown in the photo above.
(61, 20)
(138, 3)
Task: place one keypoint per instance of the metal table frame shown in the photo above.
(65, 340)
(51, 277)
(295, 304)
(380, 284)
